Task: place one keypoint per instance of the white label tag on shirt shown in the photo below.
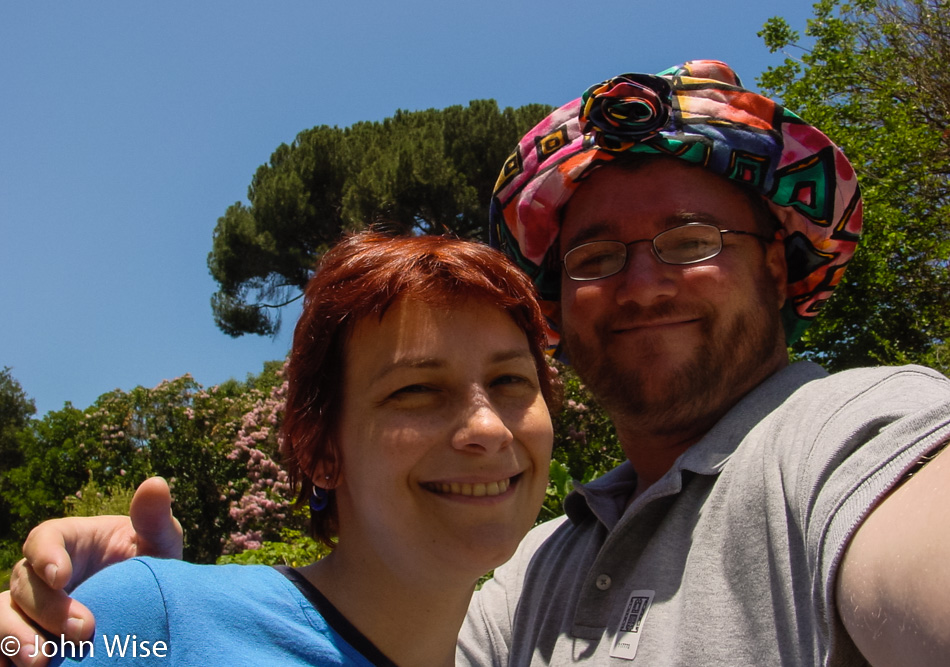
(628, 634)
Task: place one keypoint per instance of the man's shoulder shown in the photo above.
(872, 374)
(538, 548)
(893, 386)
(538, 536)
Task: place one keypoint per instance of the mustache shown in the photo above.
(633, 315)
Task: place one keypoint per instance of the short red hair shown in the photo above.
(364, 275)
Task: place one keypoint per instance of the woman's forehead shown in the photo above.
(417, 330)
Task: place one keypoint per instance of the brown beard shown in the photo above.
(701, 390)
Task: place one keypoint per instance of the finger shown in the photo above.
(51, 609)
(17, 636)
(66, 552)
(45, 549)
(157, 531)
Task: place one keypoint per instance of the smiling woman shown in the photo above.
(418, 423)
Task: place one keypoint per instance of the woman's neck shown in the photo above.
(413, 621)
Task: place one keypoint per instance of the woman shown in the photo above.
(417, 427)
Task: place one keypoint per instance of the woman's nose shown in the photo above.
(482, 428)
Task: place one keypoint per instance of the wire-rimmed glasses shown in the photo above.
(686, 244)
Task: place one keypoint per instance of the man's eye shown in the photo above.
(693, 245)
(596, 260)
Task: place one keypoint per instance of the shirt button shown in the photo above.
(603, 582)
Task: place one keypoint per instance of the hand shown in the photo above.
(62, 553)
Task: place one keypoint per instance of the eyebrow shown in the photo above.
(586, 234)
(426, 363)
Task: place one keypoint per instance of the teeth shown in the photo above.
(475, 490)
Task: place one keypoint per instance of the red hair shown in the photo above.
(364, 275)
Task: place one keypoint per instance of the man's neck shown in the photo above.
(652, 443)
(652, 454)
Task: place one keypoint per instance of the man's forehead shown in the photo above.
(642, 199)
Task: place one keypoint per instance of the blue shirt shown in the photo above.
(168, 612)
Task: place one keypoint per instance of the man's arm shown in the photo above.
(893, 588)
(61, 553)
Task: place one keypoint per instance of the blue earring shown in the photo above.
(319, 499)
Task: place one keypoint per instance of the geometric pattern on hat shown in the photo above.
(700, 113)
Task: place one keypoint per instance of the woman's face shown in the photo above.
(445, 439)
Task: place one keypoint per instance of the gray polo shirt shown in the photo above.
(731, 557)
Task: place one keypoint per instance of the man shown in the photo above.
(683, 230)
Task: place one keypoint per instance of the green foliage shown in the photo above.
(585, 443)
(874, 82)
(16, 408)
(177, 429)
(60, 452)
(295, 549)
(10, 553)
(93, 500)
(584, 437)
(420, 171)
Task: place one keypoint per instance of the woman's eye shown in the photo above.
(510, 380)
(412, 389)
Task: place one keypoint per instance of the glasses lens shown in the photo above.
(595, 260)
(688, 244)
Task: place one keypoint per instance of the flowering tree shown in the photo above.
(177, 429)
(262, 503)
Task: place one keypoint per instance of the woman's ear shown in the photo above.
(326, 475)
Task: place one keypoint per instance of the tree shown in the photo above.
(874, 82)
(177, 429)
(16, 408)
(420, 171)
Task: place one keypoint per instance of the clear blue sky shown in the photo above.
(127, 129)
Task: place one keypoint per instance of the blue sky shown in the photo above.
(127, 128)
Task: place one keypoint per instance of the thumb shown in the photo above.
(157, 531)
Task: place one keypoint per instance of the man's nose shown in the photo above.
(645, 279)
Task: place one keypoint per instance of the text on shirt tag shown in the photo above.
(628, 634)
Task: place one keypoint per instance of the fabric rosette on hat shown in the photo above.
(698, 112)
(624, 110)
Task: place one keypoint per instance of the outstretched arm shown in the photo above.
(61, 553)
(893, 589)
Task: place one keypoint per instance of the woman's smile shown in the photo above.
(472, 489)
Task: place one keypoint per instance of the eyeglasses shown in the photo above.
(686, 244)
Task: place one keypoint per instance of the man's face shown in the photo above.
(668, 348)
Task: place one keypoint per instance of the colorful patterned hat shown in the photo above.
(697, 112)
